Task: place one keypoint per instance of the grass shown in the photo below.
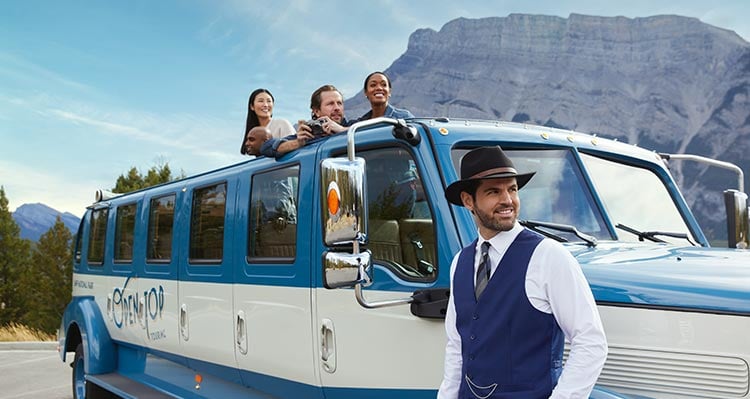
(17, 332)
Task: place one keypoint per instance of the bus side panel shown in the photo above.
(276, 344)
(98, 349)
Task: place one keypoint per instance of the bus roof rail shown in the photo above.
(404, 132)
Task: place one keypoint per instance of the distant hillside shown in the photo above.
(668, 83)
(36, 219)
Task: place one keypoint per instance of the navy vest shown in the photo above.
(509, 348)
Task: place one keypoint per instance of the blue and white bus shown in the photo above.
(324, 273)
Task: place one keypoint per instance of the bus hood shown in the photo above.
(684, 278)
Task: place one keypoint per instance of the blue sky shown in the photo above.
(89, 89)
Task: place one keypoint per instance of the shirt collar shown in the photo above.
(502, 239)
(389, 110)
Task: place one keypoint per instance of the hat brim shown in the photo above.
(454, 190)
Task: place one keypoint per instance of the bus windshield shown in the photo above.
(635, 198)
(558, 193)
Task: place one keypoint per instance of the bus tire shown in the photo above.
(78, 374)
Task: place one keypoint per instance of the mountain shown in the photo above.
(669, 83)
(36, 219)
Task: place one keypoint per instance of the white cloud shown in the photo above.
(216, 32)
(25, 184)
(190, 142)
(172, 132)
(19, 70)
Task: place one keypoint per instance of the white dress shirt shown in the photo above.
(554, 284)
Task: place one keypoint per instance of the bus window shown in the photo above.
(79, 239)
(160, 227)
(207, 223)
(124, 233)
(273, 215)
(401, 235)
(96, 236)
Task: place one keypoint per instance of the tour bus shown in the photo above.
(324, 273)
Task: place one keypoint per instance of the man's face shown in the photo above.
(331, 105)
(253, 142)
(495, 205)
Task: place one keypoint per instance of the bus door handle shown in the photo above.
(241, 332)
(328, 345)
(184, 325)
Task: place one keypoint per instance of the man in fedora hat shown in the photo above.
(515, 297)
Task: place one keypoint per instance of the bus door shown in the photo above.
(158, 284)
(403, 216)
(205, 319)
(123, 303)
(274, 341)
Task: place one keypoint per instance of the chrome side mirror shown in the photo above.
(343, 270)
(737, 218)
(343, 198)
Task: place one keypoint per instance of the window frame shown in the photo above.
(150, 231)
(118, 233)
(99, 222)
(252, 235)
(78, 247)
(192, 233)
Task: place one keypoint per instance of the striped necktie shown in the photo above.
(483, 271)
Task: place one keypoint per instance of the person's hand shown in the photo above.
(330, 126)
(304, 133)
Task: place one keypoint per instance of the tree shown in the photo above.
(14, 253)
(160, 173)
(47, 279)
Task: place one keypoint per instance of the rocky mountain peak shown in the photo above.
(35, 219)
(666, 82)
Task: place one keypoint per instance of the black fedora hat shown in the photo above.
(484, 163)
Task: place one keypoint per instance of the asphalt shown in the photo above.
(28, 345)
(33, 370)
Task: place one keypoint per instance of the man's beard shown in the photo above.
(493, 224)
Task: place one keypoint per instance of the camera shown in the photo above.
(316, 125)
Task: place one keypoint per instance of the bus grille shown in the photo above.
(675, 374)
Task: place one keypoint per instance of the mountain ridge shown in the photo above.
(669, 83)
(37, 218)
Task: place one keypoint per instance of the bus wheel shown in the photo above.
(79, 376)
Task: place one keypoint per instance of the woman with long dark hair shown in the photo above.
(260, 113)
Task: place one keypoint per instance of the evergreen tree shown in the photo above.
(135, 180)
(158, 175)
(14, 253)
(47, 279)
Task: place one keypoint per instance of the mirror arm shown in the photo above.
(378, 304)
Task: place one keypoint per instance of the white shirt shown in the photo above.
(280, 128)
(554, 284)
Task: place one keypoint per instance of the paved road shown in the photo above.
(33, 374)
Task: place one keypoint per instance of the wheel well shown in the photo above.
(72, 337)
